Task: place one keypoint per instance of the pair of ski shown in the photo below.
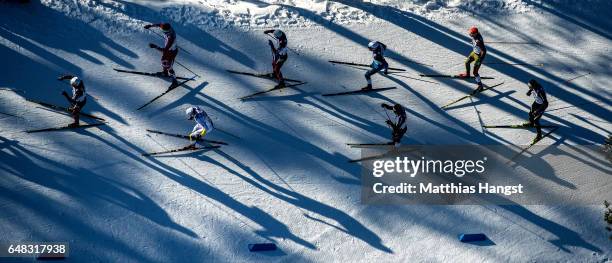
(156, 74)
(524, 126)
(474, 93)
(266, 76)
(67, 127)
(189, 147)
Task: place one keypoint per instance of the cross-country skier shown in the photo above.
(204, 124)
(279, 54)
(169, 51)
(479, 51)
(379, 63)
(538, 107)
(398, 128)
(78, 99)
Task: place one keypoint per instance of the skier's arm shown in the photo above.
(152, 25)
(71, 100)
(63, 77)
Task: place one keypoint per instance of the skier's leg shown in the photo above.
(477, 62)
(468, 61)
(277, 71)
(369, 73)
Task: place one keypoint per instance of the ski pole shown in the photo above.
(160, 35)
(402, 76)
(568, 80)
(513, 42)
(179, 63)
(509, 63)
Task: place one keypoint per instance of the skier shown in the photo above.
(398, 129)
(538, 107)
(279, 55)
(204, 124)
(477, 55)
(169, 51)
(379, 63)
(78, 99)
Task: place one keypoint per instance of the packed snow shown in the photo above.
(285, 178)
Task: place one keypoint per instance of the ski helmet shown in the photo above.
(473, 30)
(165, 27)
(75, 82)
(373, 45)
(278, 33)
(190, 112)
(532, 84)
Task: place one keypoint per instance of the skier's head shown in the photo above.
(532, 84)
(75, 82)
(277, 33)
(473, 31)
(397, 108)
(373, 45)
(166, 27)
(190, 112)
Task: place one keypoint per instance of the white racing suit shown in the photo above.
(204, 125)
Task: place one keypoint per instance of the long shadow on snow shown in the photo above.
(351, 226)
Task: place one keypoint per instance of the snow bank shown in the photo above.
(274, 13)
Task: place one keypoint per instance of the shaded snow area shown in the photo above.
(285, 177)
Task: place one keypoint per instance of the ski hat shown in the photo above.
(75, 82)
(277, 33)
(165, 27)
(473, 30)
(532, 84)
(373, 45)
(190, 112)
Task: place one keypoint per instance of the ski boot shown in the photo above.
(479, 88)
(368, 87)
(174, 82)
(463, 75)
(537, 138)
(527, 124)
(73, 125)
(280, 85)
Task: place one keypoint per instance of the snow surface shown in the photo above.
(286, 179)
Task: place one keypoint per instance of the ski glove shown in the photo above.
(151, 45)
(529, 92)
(148, 26)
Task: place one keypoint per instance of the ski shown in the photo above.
(358, 64)
(369, 144)
(60, 108)
(451, 76)
(171, 87)
(518, 126)
(532, 144)
(185, 137)
(152, 74)
(361, 91)
(272, 89)
(471, 95)
(190, 147)
(65, 128)
(260, 75)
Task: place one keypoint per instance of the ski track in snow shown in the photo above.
(286, 180)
